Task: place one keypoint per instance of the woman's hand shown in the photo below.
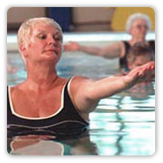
(140, 74)
(71, 46)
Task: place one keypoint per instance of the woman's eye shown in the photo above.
(57, 38)
(141, 26)
(42, 37)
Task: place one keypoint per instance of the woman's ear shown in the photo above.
(23, 50)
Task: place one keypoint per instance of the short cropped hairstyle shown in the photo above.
(25, 29)
(136, 16)
(139, 49)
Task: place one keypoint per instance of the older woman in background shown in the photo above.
(48, 104)
(137, 26)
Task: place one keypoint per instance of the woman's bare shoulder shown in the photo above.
(80, 80)
(16, 89)
(79, 83)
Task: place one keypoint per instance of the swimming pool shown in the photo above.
(123, 124)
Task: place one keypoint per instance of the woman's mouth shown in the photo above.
(52, 50)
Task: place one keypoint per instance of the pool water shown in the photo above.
(123, 124)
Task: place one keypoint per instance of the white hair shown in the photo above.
(25, 30)
(136, 16)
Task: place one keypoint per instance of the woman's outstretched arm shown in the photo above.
(110, 51)
(86, 93)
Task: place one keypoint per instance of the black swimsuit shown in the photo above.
(123, 61)
(67, 122)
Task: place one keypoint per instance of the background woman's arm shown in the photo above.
(110, 51)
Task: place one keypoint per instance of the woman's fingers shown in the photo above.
(71, 46)
(142, 73)
(146, 72)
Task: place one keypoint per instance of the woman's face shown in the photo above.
(45, 44)
(139, 29)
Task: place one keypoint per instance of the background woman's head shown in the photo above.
(138, 24)
(25, 30)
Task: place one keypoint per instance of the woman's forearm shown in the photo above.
(107, 87)
(109, 51)
(92, 50)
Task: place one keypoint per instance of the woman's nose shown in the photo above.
(51, 40)
(144, 28)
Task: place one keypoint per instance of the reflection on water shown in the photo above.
(47, 145)
(123, 124)
(123, 130)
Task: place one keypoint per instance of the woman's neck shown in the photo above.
(40, 76)
(134, 40)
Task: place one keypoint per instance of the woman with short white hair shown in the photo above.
(46, 103)
(137, 26)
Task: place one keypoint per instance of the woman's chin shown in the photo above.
(50, 53)
(50, 59)
(49, 56)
